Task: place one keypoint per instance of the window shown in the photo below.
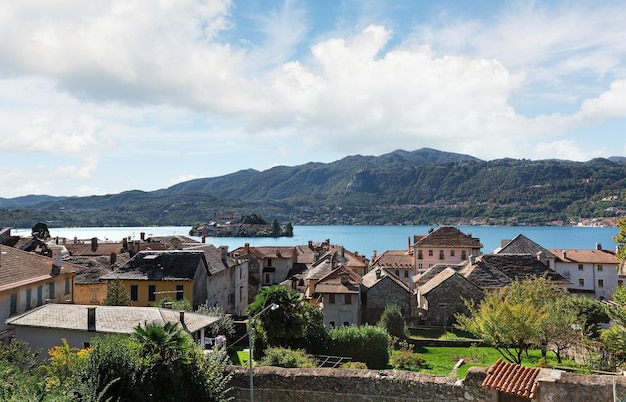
(430, 265)
(599, 267)
(240, 293)
(346, 324)
(180, 292)
(430, 253)
(451, 253)
(441, 256)
(267, 278)
(39, 295)
(134, 292)
(51, 291)
(269, 262)
(420, 266)
(406, 274)
(240, 271)
(13, 304)
(94, 294)
(580, 267)
(420, 254)
(463, 255)
(151, 292)
(347, 299)
(28, 299)
(600, 283)
(67, 285)
(581, 282)
(332, 324)
(397, 272)
(331, 298)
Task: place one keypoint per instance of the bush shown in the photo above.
(288, 358)
(367, 344)
(393, 322)
(354, 365)
(407, 360)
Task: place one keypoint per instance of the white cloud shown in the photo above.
(83, 171)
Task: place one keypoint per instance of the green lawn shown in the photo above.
(423, 333)
(441, 360)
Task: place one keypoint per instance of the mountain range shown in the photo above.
(425, 186)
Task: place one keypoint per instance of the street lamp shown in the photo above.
(272, 307)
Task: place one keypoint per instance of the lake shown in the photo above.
(365, 239)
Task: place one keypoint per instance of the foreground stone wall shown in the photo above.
(273, 384)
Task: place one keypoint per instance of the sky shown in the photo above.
(100, 97)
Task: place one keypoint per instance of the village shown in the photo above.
(54, 288)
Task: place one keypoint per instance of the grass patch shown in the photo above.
(441, 360)
(431, 333)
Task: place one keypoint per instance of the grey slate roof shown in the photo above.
(216, 261)
(498, 270)
(523, 245)
(109, 319)
(170, 265)
(370, 279)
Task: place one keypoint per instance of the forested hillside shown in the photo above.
(420, 187)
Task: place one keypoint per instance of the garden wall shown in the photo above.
(273, 384)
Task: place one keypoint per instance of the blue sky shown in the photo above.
(102, 97)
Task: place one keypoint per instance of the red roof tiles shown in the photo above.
(512, 379)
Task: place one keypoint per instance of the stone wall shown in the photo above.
(273, 384)
(445, 300)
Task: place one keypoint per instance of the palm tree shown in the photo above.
(168, 342)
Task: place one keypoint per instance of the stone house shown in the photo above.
(338, 294)
(28, 280)
(441, 297)
(268, 265)
(380, 288)
(399, 262)
(227, 282)
(444, 245)
(523, 245)
(154, 275)
(594, 273)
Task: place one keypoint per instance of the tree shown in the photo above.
(620, 239)
(590, 314)
(509, 324)
(40, 231)
(224, 326)
(116, 294)
(393, 322)
(276, 229)
(281, 327)
(167, 342)
(614, 338)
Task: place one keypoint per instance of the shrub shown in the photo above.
(393, 322)
(288, 358)
(407, 360)
(367, 344)
(354, 365)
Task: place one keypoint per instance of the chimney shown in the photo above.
(311, 244)
(409, 243)
(374, 256)
(94, 243)
(203, 239)
(64, 239)
(246, 248)
(564, 253)
(56, 264)
(75, 240)
(56, 240)
(343, 251)
(91, 319)
(598, 246)
(224, 253)
(472, 259)
(113, 258)
(540, 257)
(378, 273)
(125, 244)
(142, 236)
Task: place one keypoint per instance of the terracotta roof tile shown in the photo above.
(512, 379)
(586, 256)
